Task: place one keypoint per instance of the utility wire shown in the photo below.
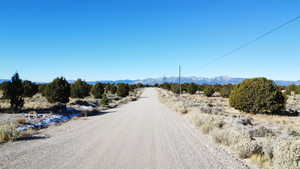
(248, 43)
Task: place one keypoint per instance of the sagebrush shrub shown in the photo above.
(258, 95)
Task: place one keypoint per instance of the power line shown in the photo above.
(248, 43)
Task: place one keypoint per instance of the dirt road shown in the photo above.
(140, 135)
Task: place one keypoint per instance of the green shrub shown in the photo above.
(258, 95)
(98, 90)
(58, 91)
(30, 89)
(80, 89)
(104, 101)
(123, 90)
(209, 91)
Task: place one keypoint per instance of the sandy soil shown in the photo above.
(140, 135)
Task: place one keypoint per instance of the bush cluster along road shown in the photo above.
(140, 135)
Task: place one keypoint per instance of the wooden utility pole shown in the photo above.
(179, 80)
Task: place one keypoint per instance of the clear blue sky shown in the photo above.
(121, 39)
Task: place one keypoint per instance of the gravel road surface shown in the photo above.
(140, 135)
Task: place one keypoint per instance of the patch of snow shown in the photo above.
(51, 120)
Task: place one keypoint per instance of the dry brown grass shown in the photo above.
(9, 132)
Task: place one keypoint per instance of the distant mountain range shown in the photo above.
(197, 80)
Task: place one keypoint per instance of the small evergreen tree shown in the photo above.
(80, 89)
(15, 93)
(104, 101)
(123, 90)
(30, 89)
(58, 91)
(258, 95)
(98, 90)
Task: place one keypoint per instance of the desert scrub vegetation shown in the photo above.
(192, 88)
(9, 132)
(258, 95)
(17, 95)
(270, 140)
(15, 90)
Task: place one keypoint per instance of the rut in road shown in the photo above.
(140, 135)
